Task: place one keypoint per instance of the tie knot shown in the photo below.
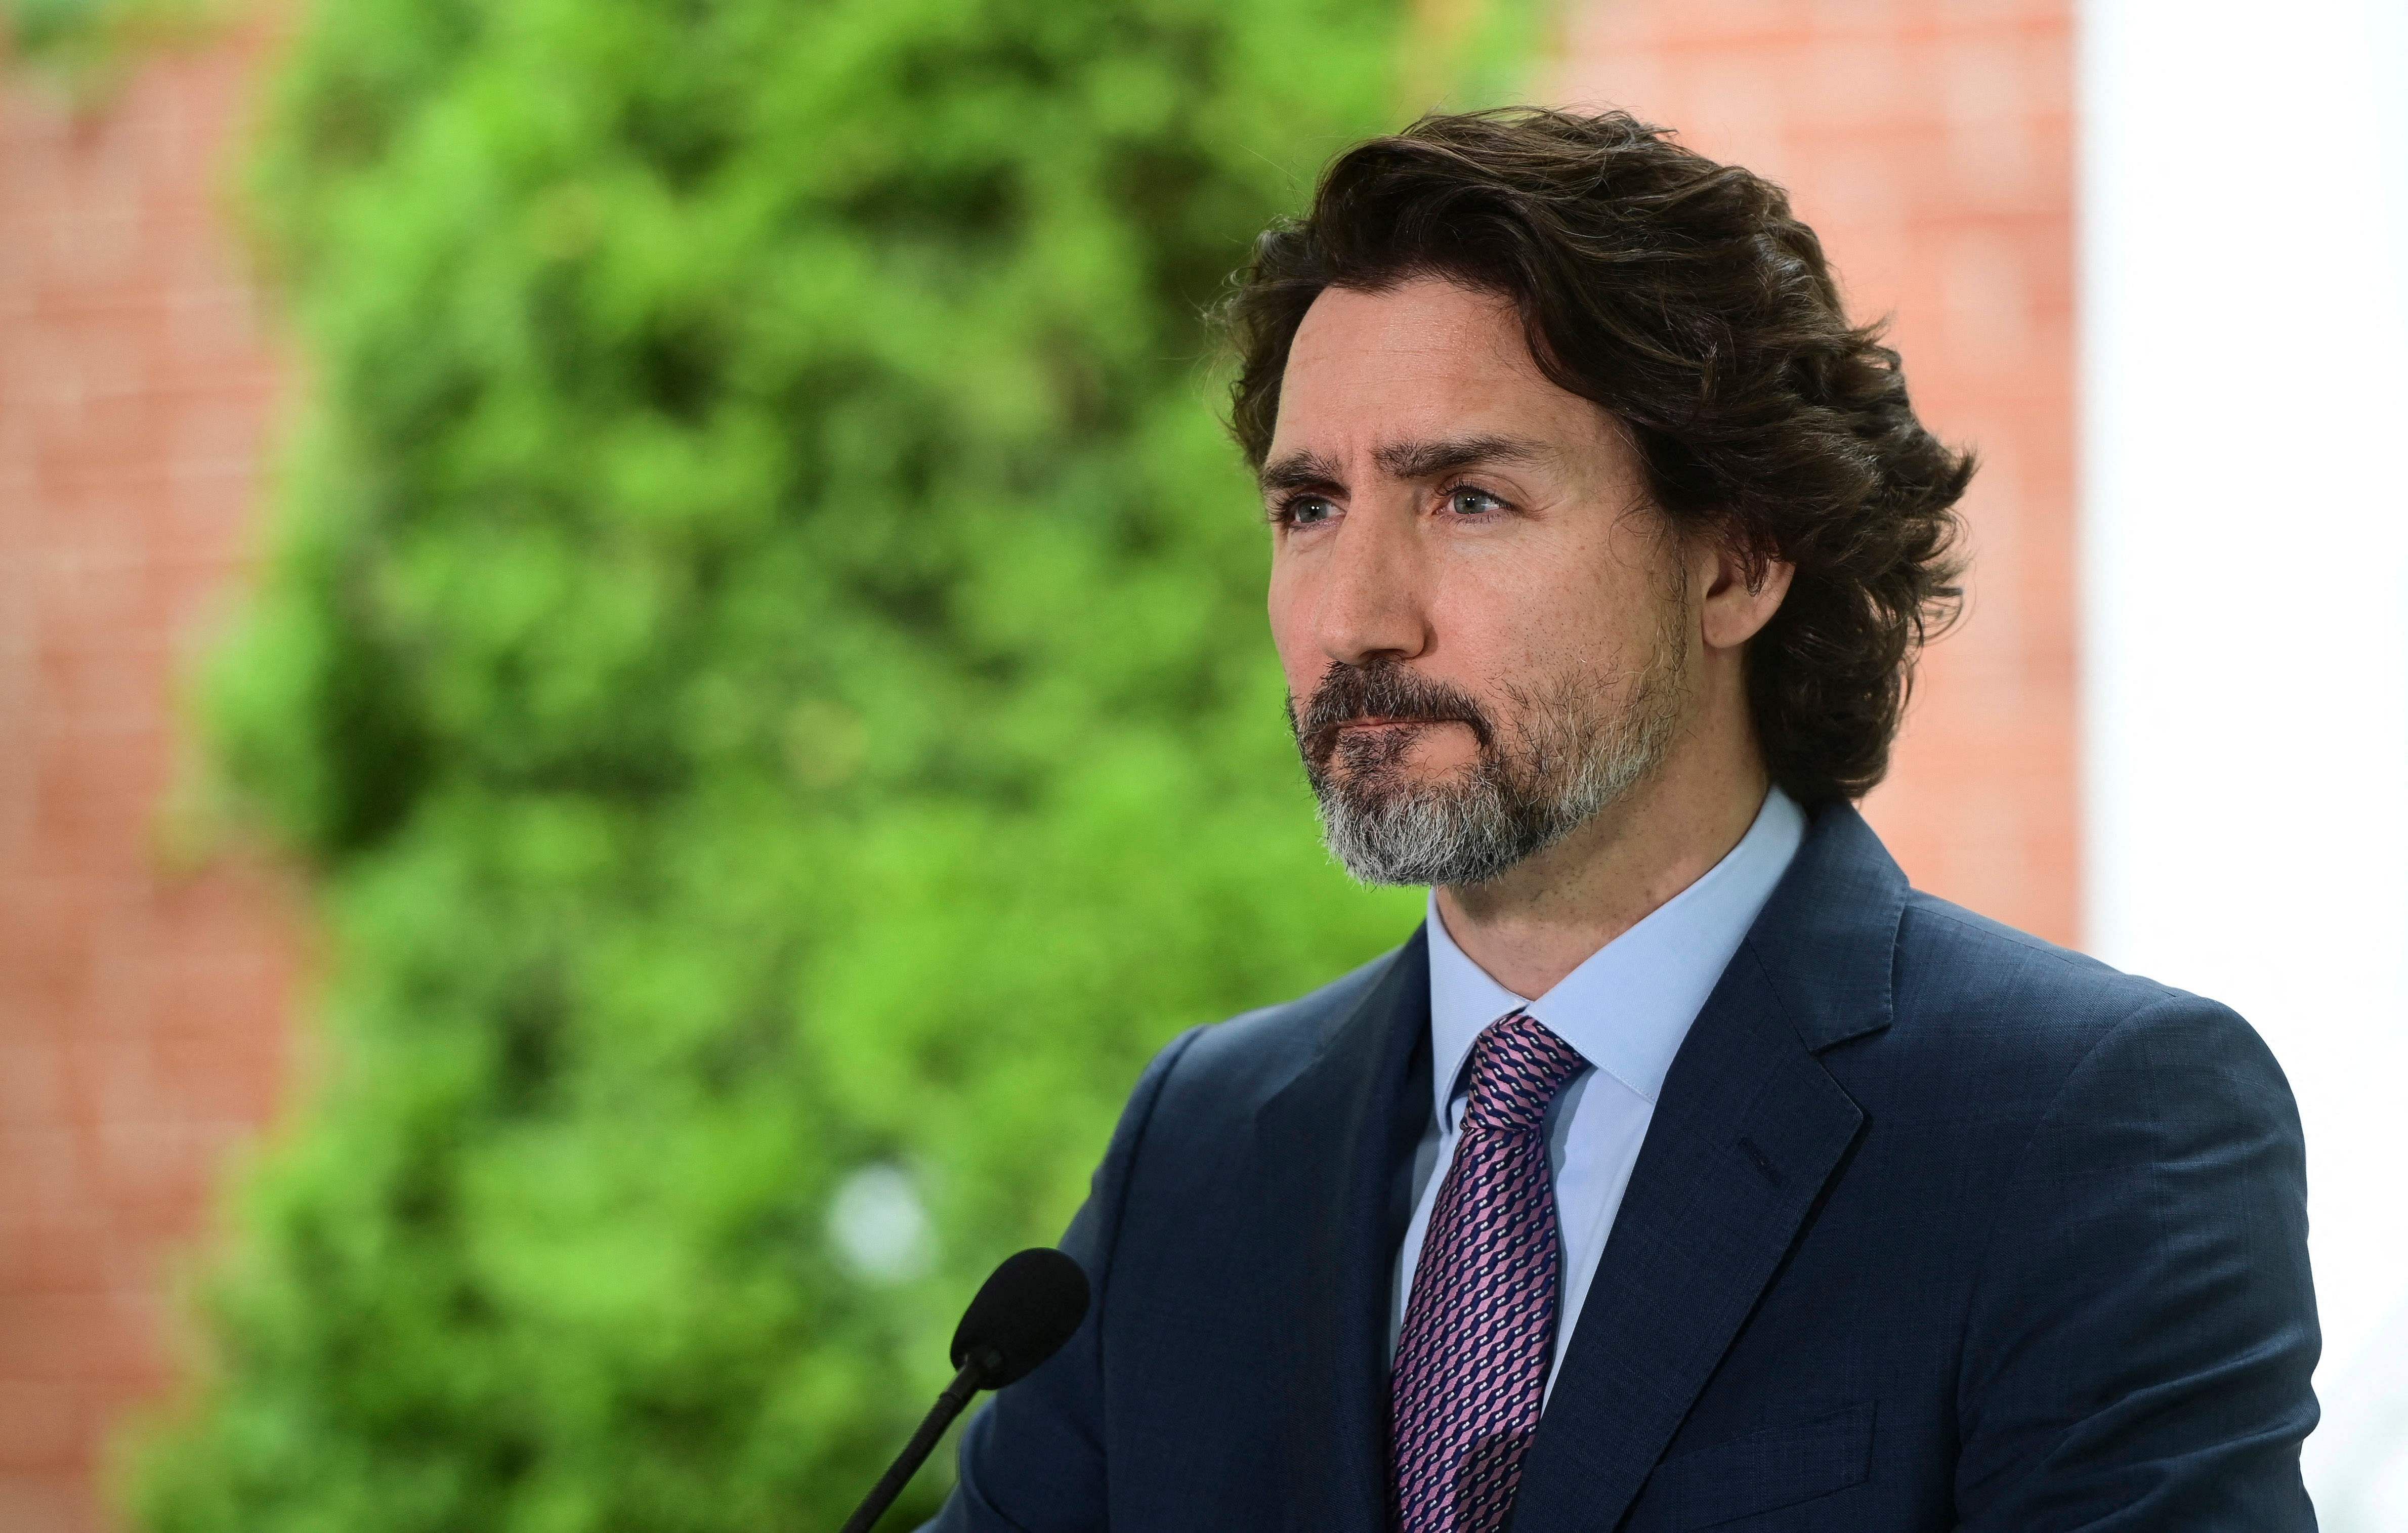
(1517, 1067)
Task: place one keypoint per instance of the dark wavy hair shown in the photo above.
(1684, 298)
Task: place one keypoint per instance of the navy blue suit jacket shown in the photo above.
(1935, 1226)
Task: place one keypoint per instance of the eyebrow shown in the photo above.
(1298, 471)
(1405, 460)
(1428, 460)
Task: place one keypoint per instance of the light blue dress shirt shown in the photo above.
(1625, 1009)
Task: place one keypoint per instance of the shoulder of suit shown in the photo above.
(1248, 1057)
(1986, 996)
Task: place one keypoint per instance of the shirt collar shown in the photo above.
(1629, 1003)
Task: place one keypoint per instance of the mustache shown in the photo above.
(1347, 694)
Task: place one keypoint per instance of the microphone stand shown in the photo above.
(967, 1382)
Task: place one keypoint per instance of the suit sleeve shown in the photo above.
(2142, 1330)
(1033, 1460)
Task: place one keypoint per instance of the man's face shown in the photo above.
(1484, 627)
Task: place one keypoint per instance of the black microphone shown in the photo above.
(1022, 1315)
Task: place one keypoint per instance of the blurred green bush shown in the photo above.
(84, 45)
(762, 658)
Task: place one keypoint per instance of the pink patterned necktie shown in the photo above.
(1480, 1326)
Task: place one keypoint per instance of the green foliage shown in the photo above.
(1461, 54)
(763, 659)
(86, 43)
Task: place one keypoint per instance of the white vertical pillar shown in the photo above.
(2245, 270)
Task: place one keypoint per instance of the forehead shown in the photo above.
(1425, 358)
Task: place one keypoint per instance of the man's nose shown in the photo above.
(1371, 606)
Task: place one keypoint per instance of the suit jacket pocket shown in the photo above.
(1763, 1471)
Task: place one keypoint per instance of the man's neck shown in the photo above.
(1538, 921)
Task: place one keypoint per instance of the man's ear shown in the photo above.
(1741, 593)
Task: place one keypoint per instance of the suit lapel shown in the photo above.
(1338, 1144)
(1749, 1128)
(1747, 1132)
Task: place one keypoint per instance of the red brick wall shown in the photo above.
(1931, 144)
(142, 1010)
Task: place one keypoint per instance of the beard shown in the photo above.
(1565, 750)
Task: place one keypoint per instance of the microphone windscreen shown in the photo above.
(1022, 1315)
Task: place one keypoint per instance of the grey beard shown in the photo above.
(1574, 755)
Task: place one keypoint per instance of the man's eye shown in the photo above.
(1303, 510)
(1466, 501)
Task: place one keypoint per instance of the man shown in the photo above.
(1686, 1168)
